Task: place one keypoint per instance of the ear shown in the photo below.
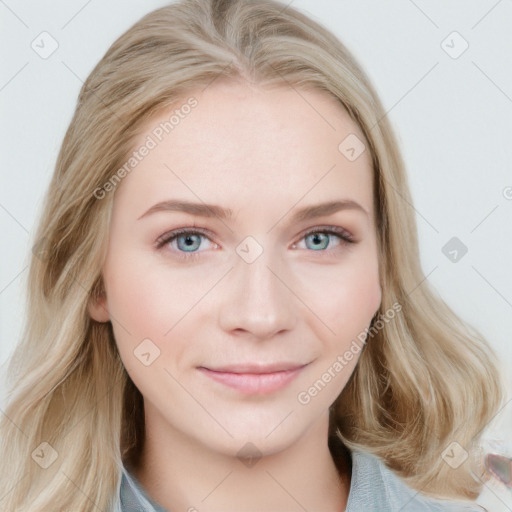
(97, 306)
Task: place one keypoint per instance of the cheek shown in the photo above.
(348, 303)
(347, 298)
(140, 307)
(359, 298)
(147, 297)
(356, 307)
(150, 301)
(133, 302)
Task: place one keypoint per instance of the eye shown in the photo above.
(320, 237)
(185, 242)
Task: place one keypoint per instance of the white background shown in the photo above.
(453, 118)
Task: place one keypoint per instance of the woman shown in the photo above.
(183, 353)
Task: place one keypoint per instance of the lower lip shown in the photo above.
(254, 383)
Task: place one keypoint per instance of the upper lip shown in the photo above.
(256, 368)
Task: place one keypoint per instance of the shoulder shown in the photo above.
(375, 488)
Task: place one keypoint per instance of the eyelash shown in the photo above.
(344, 237)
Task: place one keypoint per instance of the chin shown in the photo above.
(264, 434)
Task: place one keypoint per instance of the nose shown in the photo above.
(257, 299)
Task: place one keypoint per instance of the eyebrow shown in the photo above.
(212, 210)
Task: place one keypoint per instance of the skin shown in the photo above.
(264, 153)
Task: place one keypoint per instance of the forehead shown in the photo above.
(243, 145)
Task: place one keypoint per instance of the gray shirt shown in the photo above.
(373, 488)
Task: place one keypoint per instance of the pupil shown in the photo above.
(317, 239)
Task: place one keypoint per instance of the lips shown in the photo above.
(257, 368)
(254, 378)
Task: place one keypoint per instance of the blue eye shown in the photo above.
(188, 240)
(320, 239)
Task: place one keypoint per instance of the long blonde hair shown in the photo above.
(73, 415)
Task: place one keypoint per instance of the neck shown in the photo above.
(181, 474)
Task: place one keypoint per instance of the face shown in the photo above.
(234, 319)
